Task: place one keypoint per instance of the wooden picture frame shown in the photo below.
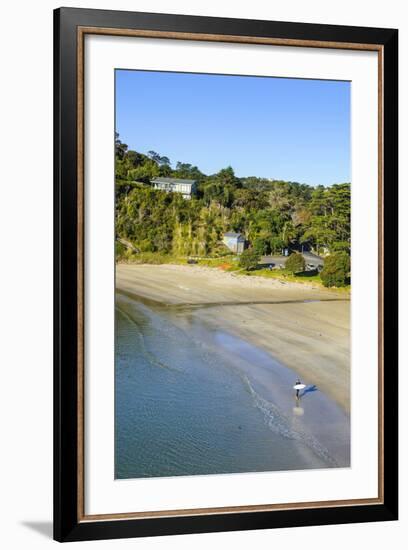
(70, 27)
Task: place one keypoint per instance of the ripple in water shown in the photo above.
(280, 424)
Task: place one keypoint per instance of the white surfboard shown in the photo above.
(299, 386)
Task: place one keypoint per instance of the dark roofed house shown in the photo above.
(234, 241)
(186, 187)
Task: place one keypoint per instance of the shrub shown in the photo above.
(341, 246)
(145, 245)
(249, 259)
(295, 263)
(120, 250)
(336, 269)
(153, 258)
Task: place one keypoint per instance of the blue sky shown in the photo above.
(291, 129)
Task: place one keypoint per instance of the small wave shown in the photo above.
(281, 425)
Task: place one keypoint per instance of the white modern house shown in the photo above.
(186, 187)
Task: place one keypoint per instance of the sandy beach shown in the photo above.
(305, 328)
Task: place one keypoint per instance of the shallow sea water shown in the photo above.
(186, 403)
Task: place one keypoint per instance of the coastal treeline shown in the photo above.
(271, 214)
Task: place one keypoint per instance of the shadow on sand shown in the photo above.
(309, 389)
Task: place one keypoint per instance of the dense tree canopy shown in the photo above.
(270, 214)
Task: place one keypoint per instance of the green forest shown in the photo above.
(271, 214)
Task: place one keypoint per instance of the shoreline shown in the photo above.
(303, 327)
(263, 378)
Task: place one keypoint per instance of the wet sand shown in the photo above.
(305, 328)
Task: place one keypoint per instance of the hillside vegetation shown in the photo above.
(270, 214)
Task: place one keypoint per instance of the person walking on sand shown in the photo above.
(297, 389)
(298, 386)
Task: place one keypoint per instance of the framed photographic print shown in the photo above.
(225, 274)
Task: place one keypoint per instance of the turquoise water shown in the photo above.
(182, 407)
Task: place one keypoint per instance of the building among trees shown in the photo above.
(273, 215)
(186, 187)
(234, 241)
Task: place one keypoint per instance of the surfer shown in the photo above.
(297, 387)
